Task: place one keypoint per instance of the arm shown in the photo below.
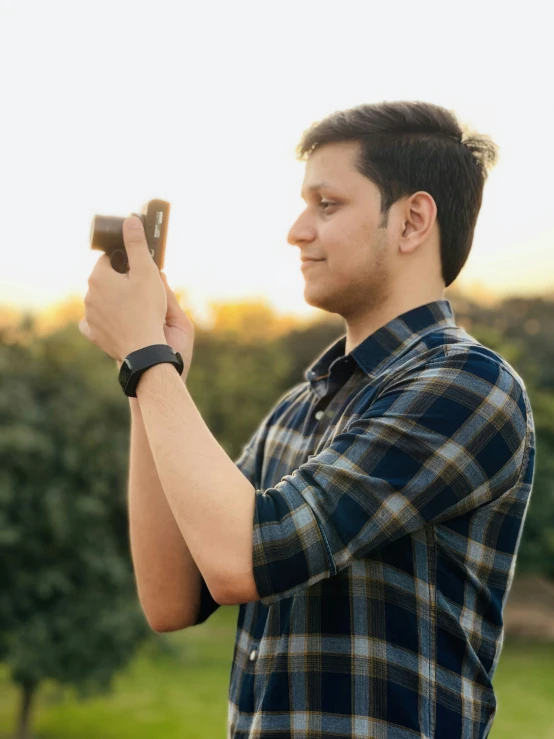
(168, 579)
(249, 463)
(211, 499)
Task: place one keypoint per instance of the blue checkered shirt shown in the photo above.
(391, 489)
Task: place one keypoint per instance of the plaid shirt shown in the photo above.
(391, 489)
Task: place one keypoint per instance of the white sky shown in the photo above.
(106, 105)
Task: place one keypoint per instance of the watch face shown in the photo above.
(125, 372)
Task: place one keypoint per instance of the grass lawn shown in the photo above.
(161, 697)
(524, 686)
(156, 697)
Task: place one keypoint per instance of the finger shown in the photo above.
(173, 307)
(164, 279)
(102, 271)
(136, 245)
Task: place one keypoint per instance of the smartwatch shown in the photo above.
(136, 363)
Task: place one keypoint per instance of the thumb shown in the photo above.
(136, 245)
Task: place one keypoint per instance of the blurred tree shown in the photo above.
(536, 552)
(68, 604)
(234, 386)
(248, 321)
(69, 610)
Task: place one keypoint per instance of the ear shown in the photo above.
(420, 215)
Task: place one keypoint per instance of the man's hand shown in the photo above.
(126, 312)
(178, 329)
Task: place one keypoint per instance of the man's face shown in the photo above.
(341, 225)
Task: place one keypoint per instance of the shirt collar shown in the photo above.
(384, 346)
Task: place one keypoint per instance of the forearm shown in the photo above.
(168, 579)
(211, 500)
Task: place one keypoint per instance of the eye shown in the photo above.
(325, 203)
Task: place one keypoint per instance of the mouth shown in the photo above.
(310, 262)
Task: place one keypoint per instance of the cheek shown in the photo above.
(338, 236)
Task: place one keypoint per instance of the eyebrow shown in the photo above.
(316, 186)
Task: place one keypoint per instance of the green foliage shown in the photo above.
(68, 604)
(69, 612)
(536, 553)
(235, 386)
(506, 332)
(524, 686)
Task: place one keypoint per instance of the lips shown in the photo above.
(310, 263)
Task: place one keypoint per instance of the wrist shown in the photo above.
(140, 345)
(142, 361)
(137, 345)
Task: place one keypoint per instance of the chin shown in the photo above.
(321, 301)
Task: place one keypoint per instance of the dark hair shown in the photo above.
(411, 146)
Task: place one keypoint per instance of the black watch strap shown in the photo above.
(136, 363)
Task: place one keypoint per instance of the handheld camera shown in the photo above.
(106, 234)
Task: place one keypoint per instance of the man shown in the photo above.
(370, 527)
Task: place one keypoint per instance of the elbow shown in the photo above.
(222, 593)
(234, 591)
(162, 622)
(226, 598)
(165, 627)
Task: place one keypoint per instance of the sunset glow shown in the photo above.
(108, 109)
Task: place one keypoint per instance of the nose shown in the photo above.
(301, 232)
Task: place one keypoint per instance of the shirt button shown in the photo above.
(319, 415)
(253, 654)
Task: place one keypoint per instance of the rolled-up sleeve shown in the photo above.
(439, 440)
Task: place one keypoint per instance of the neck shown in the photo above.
(360, 327)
